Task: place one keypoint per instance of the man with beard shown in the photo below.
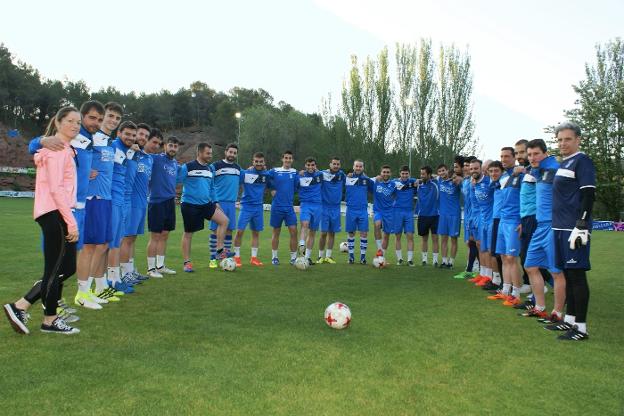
(331, 192)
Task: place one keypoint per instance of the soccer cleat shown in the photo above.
(424, 263)
(400, 262)
(476, 278)
(65, 306)
(97, 299)
(483, 282)
(238, 261)
(524, 306)
(553, 318)
(329, 260)
(491, 286)
(67, 317)
(310, 262)
(443, 266)
(84, 299)
(512, 301)
(558, 326)
(462, 275)
(213, 264)
(121, 287)
(534, 313)
(363, 260)
(497, 296)
(320, 260)
(410, 263)
(275, 261)
(573, 335)
(292, 261)
(188, 267)
(351, 259)
(107, 294)
(138, 276)
(166, 270)
(59, 326)
(17, 318)
(435, 264)
(153, 273)
(128, 279)
(255, 262)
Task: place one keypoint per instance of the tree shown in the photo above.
(425, 104)
(405, 56)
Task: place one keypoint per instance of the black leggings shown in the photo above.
(60, 262)
(577, 294)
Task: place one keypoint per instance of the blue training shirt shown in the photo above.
(310, 185)
(331, 187)
(226, 180)
(465, 189)
(545, 176)
(120, 166)
(102, 161)
(384, 195)
(497, 197)
(132, 163)
(405, 191)
(285, 182)
(254, 183)
(141, 181)
(527, 194)
(510, 208)
(575, 173)
(484, 197)
(428, 197)
(357, 188)
(162, 186)
(449, 198)
(197, 183)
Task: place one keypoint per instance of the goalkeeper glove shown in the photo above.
(579, 235)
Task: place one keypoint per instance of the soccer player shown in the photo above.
(541, 249)
(161, 218)
(428, 213)
(124, 150)
(55, 196)
(310, 203)
(483, 200)
(357, 187)
(470, 214)
(283, 182)
(450, 212)
(227, 183)
(98, 213)
(331, 191)
(254, 182)
(573, 199)
(384, 190)
(198, 202)
(403, 213)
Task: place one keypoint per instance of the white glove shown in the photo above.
(579, 235)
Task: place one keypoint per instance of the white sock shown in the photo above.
(237, 251)
(476, 266)
(435, 257)
(90, 282)
(506, 288)
(83, 286)
(160, 261)
(293, 255)
(515, 292)
(410, 255)
(301, 242)
(131, 261)
(100, 284)
(254, 252)
(113, 274)
(444, 259)
(329, 252)
(451, 261)
(569, 319)
(274, 254)
(399, 254)
(125, 268)
(321, 254)
(496, 278)
(482, 271)
(308, 253)
(423, 256)
(582, 327)
(151, 263)
(488, 272)
(378, 243)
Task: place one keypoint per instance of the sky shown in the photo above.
(526, 55)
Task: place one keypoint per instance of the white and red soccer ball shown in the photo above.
(344, 247)
(379, 262)
(338, 315)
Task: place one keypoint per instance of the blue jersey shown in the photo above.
(497, 198)
(141, 181)
(285, 182)
(545, 176)
(197, 183)
(102, 161)
(383, 196)
(510, 208)
(162, 186)
(331, 187)
(465, 189)
(310, 187)
(119, 171)
(449, 198)
(357, 188)
(132, 163)
(428, 197)
(254, 183)
(474, 205)
(484, 197)
(576, 172)
(527, 194)
(226, 180)
(404, 197)
(83, 143)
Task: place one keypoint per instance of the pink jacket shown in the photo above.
(55, 186)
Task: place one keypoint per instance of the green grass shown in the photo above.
(254, 342)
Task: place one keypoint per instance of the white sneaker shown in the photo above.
(154, 274)
(95, 299)
(85, 300)
(166, 270)
(525, 289)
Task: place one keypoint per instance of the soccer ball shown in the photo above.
(338, 315)
(379, 262)
(301, 263)
(344, 247)
(228, 264)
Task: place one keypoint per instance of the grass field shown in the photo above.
(254, 342)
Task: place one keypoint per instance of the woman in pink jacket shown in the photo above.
(55, 197)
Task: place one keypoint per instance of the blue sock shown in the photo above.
(351, 245)
(363, 247)
(227, 243)
(213, 246)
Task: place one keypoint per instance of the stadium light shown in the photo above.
(238, 116)
(193, 96)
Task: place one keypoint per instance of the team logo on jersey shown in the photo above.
(251, 178)
(328, 176)
(107, 155)
(81, 142)
(101, 139)
(305, 181)
(171, 170)
(130, 153)
(351, 181)
(120, 156)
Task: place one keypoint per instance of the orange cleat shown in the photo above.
(498, 296)
(511, 301)
(255, 262)
(238, 261)
(477, 278)
(483, 281)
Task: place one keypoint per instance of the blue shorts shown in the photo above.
(449, 225)
(493, 231)
(570, 259)
(194, 215)
(79, 215)
(508, 240)
(312, 213)
(282, 215)
(484, 236)
(356, 220)
(529, 225)
(427, 224)
(403, 220)
(135, 223)
(118, 225)
(330, 219)
(471, 229)
(229, 209)
(161, 216)
(541, 251)
(387, 220)
(252, 215)
(98, 221)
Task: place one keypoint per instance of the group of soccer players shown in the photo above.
(524, 206)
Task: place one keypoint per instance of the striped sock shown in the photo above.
(227, 243)
(213, 246)
(351, 245)
(363, 246)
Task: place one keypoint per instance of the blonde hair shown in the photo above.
(58, 117)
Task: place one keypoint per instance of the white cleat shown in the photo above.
(86, 301)
(525, 289)
(95, 299)
(154, 274)
(165, 270)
